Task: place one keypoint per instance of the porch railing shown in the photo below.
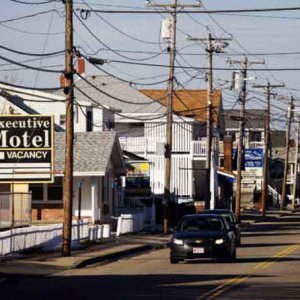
(198, 148)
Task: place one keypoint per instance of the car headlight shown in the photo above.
(177, 241)
(219, 241)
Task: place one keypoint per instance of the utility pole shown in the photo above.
(69, 135)
(212, 45)
(168, 146)
(287, 150)
(244, 66)
(266, 145)
(296, 163)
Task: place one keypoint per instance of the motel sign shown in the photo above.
(26, 148)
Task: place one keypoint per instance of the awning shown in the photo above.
(227, 175)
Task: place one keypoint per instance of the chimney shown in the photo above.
(228, 153)
(81, 66)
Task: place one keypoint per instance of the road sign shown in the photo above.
(26, 148)
(254, 158)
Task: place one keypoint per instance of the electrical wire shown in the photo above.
(111, 96)
(30, 88)
(119, 114)
(198, 68)
(31, 54)
(30, 16)
(104, 44)
(30, 32)
(29, 67)
(35, 3)
(184, 11)
(119, 30)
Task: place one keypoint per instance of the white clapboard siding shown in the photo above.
(181, 178)
(138, 144)
(157, 173)
(181, 134)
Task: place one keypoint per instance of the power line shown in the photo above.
(28, 87)
(182, 11)
(119, 30)
(30, 16)
(30, 32)
(111, 96)
(198, 68)
(119, 114)
(35, 3)
(31, 54)
(102, 43)
(29, 67)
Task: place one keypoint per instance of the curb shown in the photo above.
(104, 259)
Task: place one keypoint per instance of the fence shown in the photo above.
(129, 223)
(19, 239)
(18, 214)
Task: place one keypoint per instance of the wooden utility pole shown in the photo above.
(238, 193)
(212, 45)
(69, 135)
(244, 66)
(168, 146)
(209, 51)
(266, 146)
(287, 150)
(296, 163)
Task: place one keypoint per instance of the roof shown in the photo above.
(115, 94)
(190, 103)
(255, 118)
(19, 102)
(92, 152)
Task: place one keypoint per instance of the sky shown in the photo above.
(126, 40)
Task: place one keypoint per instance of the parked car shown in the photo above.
(231, 220)
(202, 235)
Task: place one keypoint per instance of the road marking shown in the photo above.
(228, 284)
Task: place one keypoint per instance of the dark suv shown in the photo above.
(231, 219)
(202, 235)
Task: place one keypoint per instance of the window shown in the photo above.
(47, 192)
(89, 120)
(255, 136)
(130, 130)
(62, 120)
(55, 190)
(36, 192)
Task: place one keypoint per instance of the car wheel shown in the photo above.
(230, 256)
(233, 255)
(174, 260)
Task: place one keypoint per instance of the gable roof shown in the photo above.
(190, 103)
(92, 153)
(114, 90)
(255, 118)
(19, 103)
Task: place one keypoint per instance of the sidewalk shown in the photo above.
(107, 251)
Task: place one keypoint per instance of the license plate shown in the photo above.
(198, 250)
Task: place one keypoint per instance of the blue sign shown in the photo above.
(253, 158)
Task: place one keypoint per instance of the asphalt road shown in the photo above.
(268, 267)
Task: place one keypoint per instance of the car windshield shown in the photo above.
(228, 218)
(196, 224)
